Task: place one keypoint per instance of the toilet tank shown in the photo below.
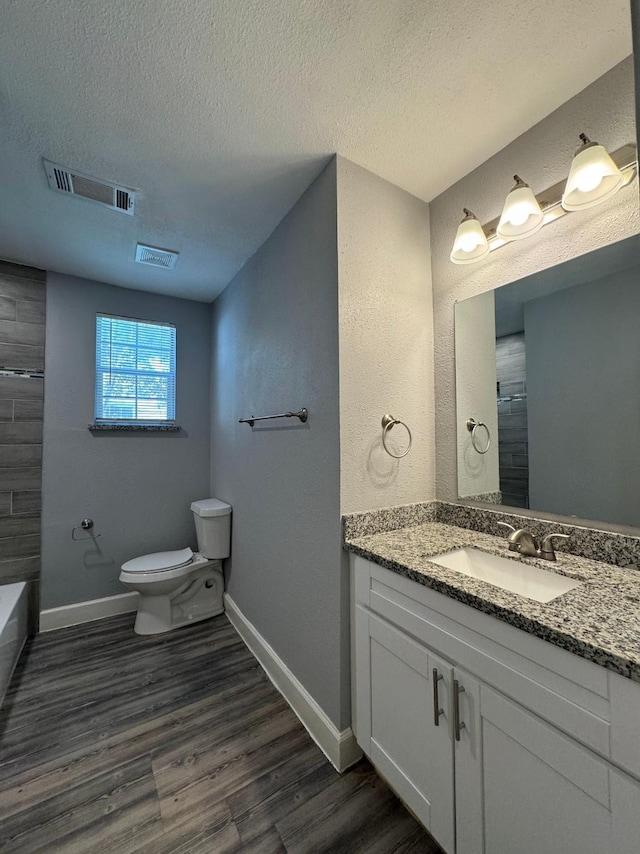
(213, 527)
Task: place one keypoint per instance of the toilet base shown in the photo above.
(198, 598)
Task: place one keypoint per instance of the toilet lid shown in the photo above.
(158, 561)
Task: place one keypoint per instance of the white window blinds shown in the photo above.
(135, 371)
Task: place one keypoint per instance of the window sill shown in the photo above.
(134, 428)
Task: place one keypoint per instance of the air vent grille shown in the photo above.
(62, 180)
(124, 200)
(76, 184)
(156, 257)
(92, 190)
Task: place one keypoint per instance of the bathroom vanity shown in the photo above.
(505, 724)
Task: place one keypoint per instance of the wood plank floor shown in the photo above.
(175, 744)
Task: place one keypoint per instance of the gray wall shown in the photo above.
(275, 347)
(386, 341)
(137, 487)
(583, 365)
(606, 111)
(22, 310)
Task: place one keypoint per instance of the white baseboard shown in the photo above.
(86, 612)
(340, 748)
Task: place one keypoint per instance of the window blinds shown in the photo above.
(135, 371)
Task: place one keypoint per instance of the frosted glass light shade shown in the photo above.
(593, 177)
(521, 215)
(471, 242)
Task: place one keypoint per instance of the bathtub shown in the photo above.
(13, 630)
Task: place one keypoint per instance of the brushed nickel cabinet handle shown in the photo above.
(458, 725)
(437, 711)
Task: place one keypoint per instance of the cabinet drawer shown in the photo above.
(553, 683)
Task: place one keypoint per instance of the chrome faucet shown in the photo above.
(523, 542)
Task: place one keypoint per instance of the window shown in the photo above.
(135, 371)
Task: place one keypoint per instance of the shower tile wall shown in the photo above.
(22, 325)
(513, 446)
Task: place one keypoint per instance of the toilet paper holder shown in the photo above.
(85, 525)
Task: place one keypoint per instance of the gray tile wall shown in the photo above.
(513, 443)
(22, 325)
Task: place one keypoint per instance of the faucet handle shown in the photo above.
(547, 551)
(507, 525)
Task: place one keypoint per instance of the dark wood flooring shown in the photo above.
(175, 744)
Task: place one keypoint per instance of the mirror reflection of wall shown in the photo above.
(475, 342)
(567, 368)
(513, 442)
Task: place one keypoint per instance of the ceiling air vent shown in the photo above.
(156, 257)
(76, 184)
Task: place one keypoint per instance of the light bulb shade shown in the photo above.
(593, 177)
(521, 215)
(471, 242)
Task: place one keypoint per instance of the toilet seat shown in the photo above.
(159, 561)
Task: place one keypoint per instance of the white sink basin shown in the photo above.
(521, 578)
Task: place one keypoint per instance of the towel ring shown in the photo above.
(388, 421)
(472, 426)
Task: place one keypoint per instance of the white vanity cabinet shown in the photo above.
(407, 730)
(499, 742)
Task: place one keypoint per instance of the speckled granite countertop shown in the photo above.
(599, 621)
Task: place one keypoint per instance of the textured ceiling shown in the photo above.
(221, 113)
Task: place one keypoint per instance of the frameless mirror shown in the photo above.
(551, 365)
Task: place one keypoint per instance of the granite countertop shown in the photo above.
(599, 620)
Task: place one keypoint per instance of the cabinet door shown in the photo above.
(467, 740)
(410, 730)
(625, 805)
(542, 791)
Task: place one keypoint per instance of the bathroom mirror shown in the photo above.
(551, 365)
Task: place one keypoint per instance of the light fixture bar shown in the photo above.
(550, 200)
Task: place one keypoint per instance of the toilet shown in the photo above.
(179, 587)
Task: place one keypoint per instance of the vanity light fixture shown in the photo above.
(521, 215)
(471, 242)
(593, 177)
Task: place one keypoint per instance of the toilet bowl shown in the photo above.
(181, 587)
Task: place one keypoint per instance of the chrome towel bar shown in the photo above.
(302, 414)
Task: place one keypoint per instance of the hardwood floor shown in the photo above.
(175, 744)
